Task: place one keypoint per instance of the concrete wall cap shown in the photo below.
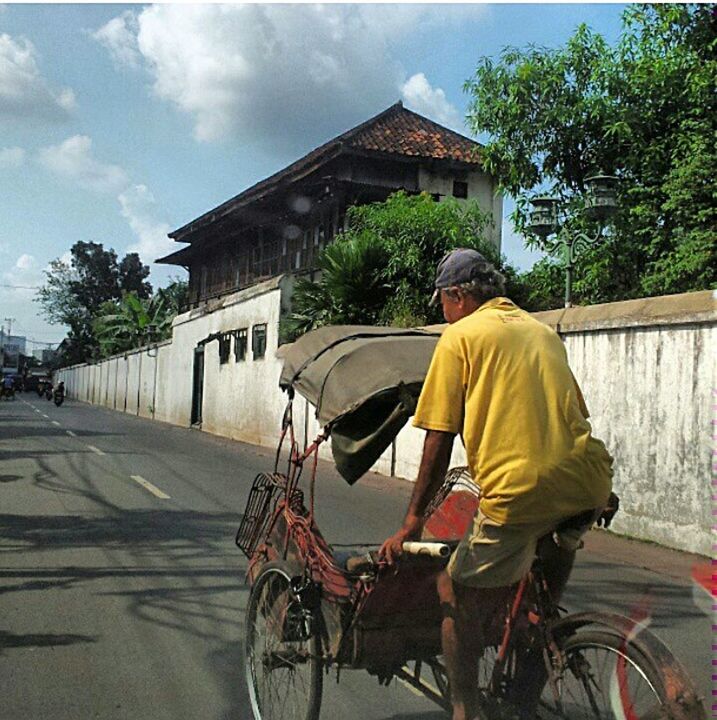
(685, 308)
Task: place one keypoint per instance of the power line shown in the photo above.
(21, 287)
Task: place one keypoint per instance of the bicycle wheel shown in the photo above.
(606, 677)
(485, 671)
(283, 665)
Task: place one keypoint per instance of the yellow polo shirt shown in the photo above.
(501, 379)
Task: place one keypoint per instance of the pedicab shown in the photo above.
(315, 608)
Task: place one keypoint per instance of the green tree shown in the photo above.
(75, 291)
(644, 110)
(133, 322)
(381, 270)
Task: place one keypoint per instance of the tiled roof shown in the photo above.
(395, 131)
(400, 131)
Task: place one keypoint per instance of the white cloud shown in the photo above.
(11, 157)
(119, 36)
(418, 95)
(140, 210)
(23, 275)
(283, 74)
(25, 262)
(23, 90)
(73, 159)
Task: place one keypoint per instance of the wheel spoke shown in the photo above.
(601, 682)
(283, 670)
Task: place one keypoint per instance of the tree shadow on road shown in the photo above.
(15, 432)
(148, 532)
(10, 640)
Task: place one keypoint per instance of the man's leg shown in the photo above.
(461, 667)
(467, 614)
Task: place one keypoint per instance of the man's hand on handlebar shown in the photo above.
(613, 505)
(392, 549)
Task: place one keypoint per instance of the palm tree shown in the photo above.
(350, 290)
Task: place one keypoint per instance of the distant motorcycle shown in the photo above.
(58, 397)
(48, 393)
(8, 393)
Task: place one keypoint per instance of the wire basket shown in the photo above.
(259, 510)
(459, 476)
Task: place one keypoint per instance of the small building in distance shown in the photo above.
(11, 348)
(280, 224)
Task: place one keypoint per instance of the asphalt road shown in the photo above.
(122, 593)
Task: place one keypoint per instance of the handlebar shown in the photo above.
(417, 551)
(429, 549)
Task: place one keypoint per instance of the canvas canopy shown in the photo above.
(364, 382)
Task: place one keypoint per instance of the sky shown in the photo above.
(120, 123)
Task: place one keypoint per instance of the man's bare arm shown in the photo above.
(434, 463)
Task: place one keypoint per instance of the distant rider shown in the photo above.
(8, 386)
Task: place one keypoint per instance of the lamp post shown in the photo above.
(600, 206)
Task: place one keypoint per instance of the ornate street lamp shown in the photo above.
(544, 217)
(600, 206)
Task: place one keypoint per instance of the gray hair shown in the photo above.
(487, 285)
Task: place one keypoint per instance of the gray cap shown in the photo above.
(462, 265)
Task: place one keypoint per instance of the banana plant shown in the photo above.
(133, 322)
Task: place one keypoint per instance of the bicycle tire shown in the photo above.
(485, 671)
(267, 606)
(636, 685)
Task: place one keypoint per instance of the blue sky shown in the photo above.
(119, 123)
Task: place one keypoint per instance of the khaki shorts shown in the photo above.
(495, 555)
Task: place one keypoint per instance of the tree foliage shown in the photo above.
(134, 321)
(643, 110)
(75, 291)
(381, 270)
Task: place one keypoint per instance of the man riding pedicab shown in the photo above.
(501, 380)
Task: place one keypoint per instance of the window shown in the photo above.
(258, 341)
(460, 189)
(225, 340)
(240, 342)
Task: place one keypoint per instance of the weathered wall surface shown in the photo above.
(646, 368)
(648, 371)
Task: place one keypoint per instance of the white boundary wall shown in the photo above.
(646, 368)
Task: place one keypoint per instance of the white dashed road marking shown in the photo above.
(148, 486)
(70, 433)
(54, 422)
(96, 450)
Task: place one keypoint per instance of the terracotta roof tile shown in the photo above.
(407, 133)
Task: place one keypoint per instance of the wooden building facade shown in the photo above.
(282, 223)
